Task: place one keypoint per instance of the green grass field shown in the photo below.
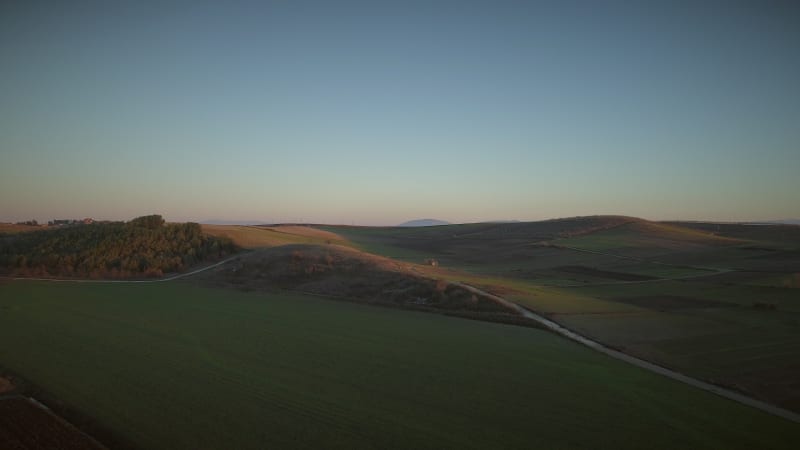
(706, 326)
(644, 238)
(178, 366)
(707, 329)
(380, 241)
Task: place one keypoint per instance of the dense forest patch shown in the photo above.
(145, 246)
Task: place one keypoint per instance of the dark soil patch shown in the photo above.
(589, 271)
(782, 255)
(25, 426)
(673, 302)
(5, 385)
(734, 277)
(776, 384)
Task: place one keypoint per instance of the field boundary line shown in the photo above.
(638, 362)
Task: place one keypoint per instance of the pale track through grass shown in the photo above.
(638, 362)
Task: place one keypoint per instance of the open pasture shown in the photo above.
(777, 235)
(736, 289)
(227, 369)
(12, 228)
(472, 244)
(252, 237)
(647, 239)
(717, 331)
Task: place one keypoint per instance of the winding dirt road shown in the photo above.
(569, 334)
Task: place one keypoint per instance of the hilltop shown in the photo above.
(144, 246)
(423, 223)
(343, 272)
(494, 242)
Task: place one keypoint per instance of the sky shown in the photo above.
(378, 112)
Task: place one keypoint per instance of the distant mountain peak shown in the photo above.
(423, 223)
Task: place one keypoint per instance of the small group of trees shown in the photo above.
(145, 246)
(152, 222)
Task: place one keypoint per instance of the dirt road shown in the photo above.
(553, 326)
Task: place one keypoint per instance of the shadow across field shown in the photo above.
(344, 273)
(659, 290)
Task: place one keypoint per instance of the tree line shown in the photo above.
(145, 246)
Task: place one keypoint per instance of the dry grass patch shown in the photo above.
(338, 271)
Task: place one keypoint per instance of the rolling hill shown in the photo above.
(714, 302)
(346, 273)
(423, 223)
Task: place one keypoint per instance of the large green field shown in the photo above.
(174, 365)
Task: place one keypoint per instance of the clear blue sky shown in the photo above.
(378, 112)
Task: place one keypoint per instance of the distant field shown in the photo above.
(609, 278)
(251, 237)
(709, 329)
(643, 239)
(11, 228)
(774, 235)
(380, 241)
(226, 369)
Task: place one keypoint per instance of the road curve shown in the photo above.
(569, 334)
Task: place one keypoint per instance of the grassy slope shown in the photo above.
(380, 241)
(234, 370)
(251, 237)
(731, 342)
(522, 250)
(779, 236)
(458, 244)
(711, 330)
(344, 272)
(11, 228)
(642, 238)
